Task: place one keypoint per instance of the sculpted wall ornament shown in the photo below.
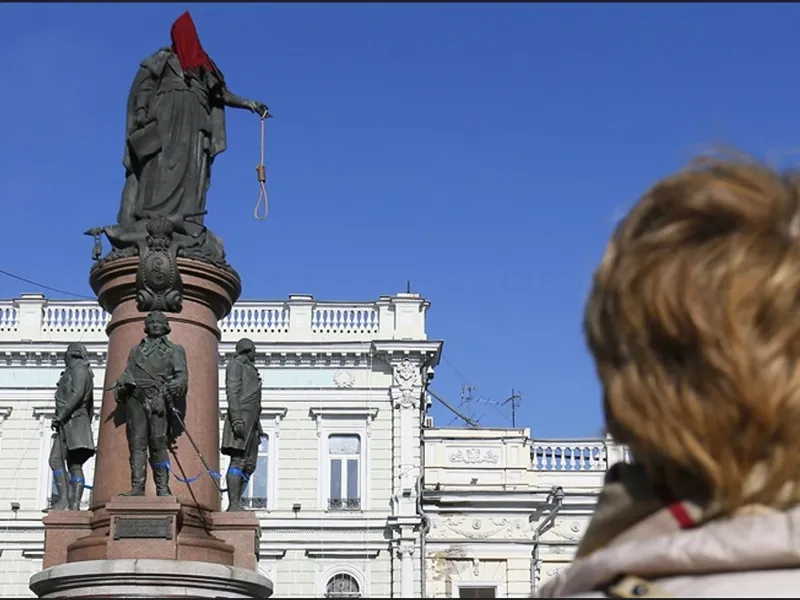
(158, 282)
(343, 379)
(408, 381)
(572, 534)
(474, 456)
(553, 571)
(475, 528)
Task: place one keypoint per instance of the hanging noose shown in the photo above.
(262, 177)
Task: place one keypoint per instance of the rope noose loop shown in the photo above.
(262, 178)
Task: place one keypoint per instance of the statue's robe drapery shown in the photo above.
(168, 157)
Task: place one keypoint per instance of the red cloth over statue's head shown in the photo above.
(186, 44)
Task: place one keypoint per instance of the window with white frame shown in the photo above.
(344, 456)
(342, 585)
(344, 471)
(257, 491)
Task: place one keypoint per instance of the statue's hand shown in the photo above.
(140, 118)
(261, 109)
(238, 429)
(123, 389)
(174, 388)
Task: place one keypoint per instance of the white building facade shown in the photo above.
(357, 493)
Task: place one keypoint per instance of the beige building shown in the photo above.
(358, 494)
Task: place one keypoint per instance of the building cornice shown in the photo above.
(270, 355)
(429, 350)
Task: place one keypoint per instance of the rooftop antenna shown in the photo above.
(469, 421)
(514, 399)
(408, 286)
(467, 398)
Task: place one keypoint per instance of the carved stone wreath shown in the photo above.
(407, 379)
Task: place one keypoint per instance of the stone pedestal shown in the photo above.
(243, 532)
(62, 528)
(149, 578)
(153, 527)
(149, 546)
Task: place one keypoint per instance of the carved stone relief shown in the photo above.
(343, 379)
(407, 383)
(572, 533)
(553, 571)
(474, 456)
(478, 528)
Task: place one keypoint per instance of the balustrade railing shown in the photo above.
(578, 455)
(34, 318)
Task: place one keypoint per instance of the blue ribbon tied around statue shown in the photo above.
(215, 475)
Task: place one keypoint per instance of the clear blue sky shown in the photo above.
(482, 151)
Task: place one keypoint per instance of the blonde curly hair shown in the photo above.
(693, 320)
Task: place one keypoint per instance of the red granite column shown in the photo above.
(209, 293)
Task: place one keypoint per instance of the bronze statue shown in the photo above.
(154, 380)
(73, 444)
(175, 128)
(241, 434)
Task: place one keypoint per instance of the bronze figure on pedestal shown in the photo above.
(241, 434)
(155, 379)
(72, 438)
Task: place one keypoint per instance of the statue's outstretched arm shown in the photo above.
(233, 101)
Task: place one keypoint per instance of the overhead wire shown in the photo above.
(44, 287)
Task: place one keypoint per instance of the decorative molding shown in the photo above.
(572, 533)
(553, 571)
(333, 552)
(407, 388)
(271, 553)
(474, 456)
(481, 528)
(5, 412)
(268, 413)
(343, 379)
(404, 549)
(355, 413)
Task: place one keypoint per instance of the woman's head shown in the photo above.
(694, 323)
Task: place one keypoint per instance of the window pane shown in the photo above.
(264, 447)
(347, 445)
(258, 481)
(352, 479)
(336, 479)
(342, 586)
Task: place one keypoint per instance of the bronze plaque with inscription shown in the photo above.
(143, 528)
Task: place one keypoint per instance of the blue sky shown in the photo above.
(482, 151)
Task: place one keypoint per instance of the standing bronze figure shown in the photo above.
(154, 380)
(175, 128)
(241, 434)
(73, 443)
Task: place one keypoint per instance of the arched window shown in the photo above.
(342, 585)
